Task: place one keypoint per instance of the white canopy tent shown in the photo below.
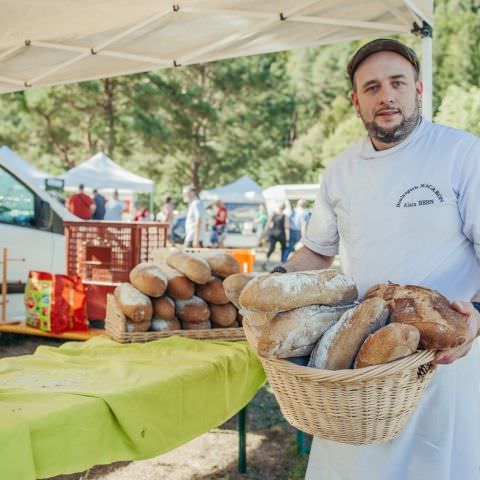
(244, 190)
(286, 193)
(50, 42)
(25, 170)
(103, 173)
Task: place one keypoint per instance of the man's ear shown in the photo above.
(354, 99)
(419, 87)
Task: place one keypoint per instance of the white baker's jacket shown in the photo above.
(410, 215)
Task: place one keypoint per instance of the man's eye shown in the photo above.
(372, 88)
(397, 83)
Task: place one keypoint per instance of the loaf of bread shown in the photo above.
(193, 310)
(195, 268)
(280, 292)
(339, 345)
(392, 342)
(163, 307)
(222, 264)
(440, 326)
(295, 333)
(196, 325)
(251, 337)
(257, 320)
(134, 304)
(213, 292)
(165, 325)
(132, 327)
(179, 286)
(234, 284)
(223, 315)
(149, 279)
(235, 324)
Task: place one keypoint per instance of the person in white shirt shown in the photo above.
(298, 223)
(402, 205)
(114, 208)
(195, 220)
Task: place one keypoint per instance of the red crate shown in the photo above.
(103, 253)
(107, 251)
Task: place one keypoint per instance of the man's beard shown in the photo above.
(397, 133)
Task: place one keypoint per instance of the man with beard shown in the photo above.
(402, 206)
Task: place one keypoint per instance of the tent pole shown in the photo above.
(425, 32)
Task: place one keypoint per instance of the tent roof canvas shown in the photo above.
(25, 170)
(103, 173)
(47, 42)
(243, 190)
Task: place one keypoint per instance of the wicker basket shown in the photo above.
(358, 406)
(115, 328)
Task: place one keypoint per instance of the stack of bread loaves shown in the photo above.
(179, 291)
(311, 313)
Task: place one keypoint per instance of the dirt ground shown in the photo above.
(271, 442)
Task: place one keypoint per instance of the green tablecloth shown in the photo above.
(65, 409)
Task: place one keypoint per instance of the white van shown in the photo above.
(31, 228)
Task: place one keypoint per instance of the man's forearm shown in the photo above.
(306, 259)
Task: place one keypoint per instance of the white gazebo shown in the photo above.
(47, 42)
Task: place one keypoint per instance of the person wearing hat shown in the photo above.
(401, 205)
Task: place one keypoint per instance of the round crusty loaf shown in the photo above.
(134, 304)
(392, 342)
(223, 315)
(234, 284)
(149, 279)
(179, 286)
(132, 327)
(195, 268)
(295, 333)
(339, 345)
(213, 292)
(165, 325)
(222, 264)
(251, 337)
(235, 324)
(193, 310)
(163, 307)
(280, 292)
(440, 326)
(196, 325)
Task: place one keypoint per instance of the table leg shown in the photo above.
(302, 449)
(242, 444)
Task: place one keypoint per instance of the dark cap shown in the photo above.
(382, 45)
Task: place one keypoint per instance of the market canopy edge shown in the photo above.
(52, 42)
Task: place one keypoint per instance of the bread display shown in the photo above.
(149, 279)
(234, 284)
(339, 346)
(295, 333)
(192, 266)
(136, 306)
(440, 326)
(222, 264)
(193, 310)
(285, 291)
(163, 307)
(223, 315)
(392, 342)
(179, 286)
(132, 327)
(213, 292)
(164, 325)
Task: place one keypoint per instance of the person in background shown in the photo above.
(100, 202)
(277, 225)
(114, 208)
(81, 204)
(195, 220)
(220, 224)
(261, 219)
(141, 213)
(401, 206)
(298, 223)
(165, 215)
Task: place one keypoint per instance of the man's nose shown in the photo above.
(387, 95)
